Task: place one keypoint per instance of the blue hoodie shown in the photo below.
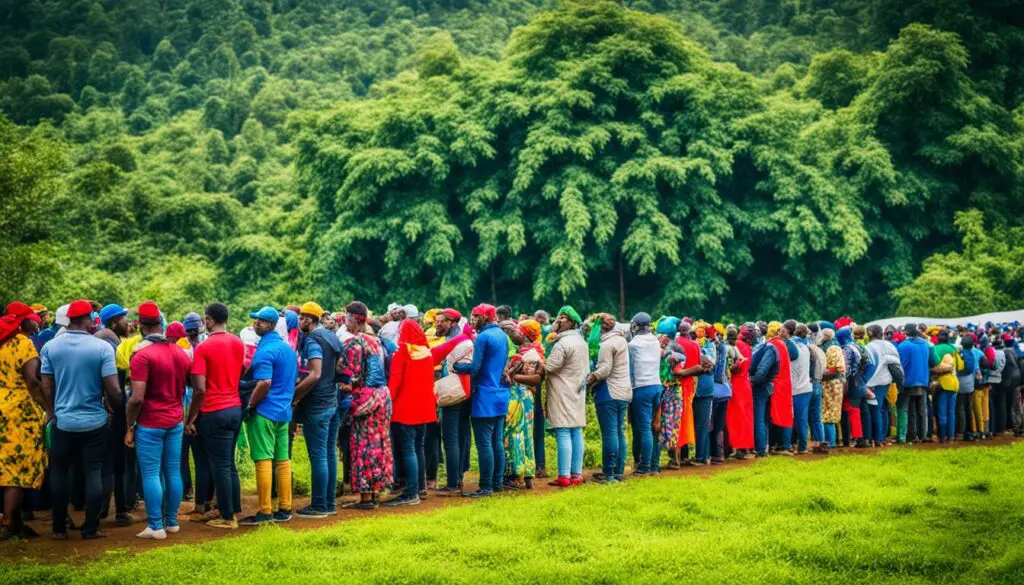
(490, 395)
(915, 356)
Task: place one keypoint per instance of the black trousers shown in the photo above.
(218, 434)
(89, 450)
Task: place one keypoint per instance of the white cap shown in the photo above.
(62, 316)
(411, 312)
(394, 306)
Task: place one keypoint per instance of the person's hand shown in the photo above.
(706, 364)
(190, 429)
(591, 380)
(345, 388)
(129, 438)
(742, 360)
(870, 395)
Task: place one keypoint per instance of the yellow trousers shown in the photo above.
(264, 479)
(981, 414)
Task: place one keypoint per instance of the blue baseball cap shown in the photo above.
(111, 312)
(192, 321)
(267, 313)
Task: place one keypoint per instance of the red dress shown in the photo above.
(687, 435)
(782, 397)
(739, 417)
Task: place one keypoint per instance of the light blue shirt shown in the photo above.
(78, 363)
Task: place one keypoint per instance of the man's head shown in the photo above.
(801, 331)
(193, 324)
(445, 321)
(685, 329)
(875, 332)
(859, 332)
(309, 316)
(482, 316)
(396, 312)
(640, 323)
(328, 322)
(150, 321)
(411, 312)
(774, 329)
(605, 321)
(788, 328)
(967, 341)
(944, 336)
(265, 320)
(567, 319)
(910, 330)
(115, 318)
(355, 317)
(503, 312)
(216, 316)
(541, 317)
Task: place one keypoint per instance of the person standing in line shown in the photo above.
(887, 370)
(411, 382)
(455, 419)
(315, 404)
(267, 417)
(23, 413)
(154, 415)
(78, 371)
(739, 419)
(645, 378)
(114, 319)
(803, 388)
(215, 414)
(567, 368)
(613, 392)
(490, 396)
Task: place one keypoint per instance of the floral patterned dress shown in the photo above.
(372, 462)
(22, 454)
(832, 390)
(519, 420)
(671, 405)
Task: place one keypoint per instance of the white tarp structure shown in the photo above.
(1004, 317)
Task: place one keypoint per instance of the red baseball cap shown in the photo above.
(79, 308)
(453, 314)
(23, 311)
(149, 310)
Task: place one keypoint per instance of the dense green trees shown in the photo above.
(736, 158)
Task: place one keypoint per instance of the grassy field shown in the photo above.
(902, 517)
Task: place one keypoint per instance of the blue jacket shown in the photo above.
(490, 394)
(914, 356)
(764, 366)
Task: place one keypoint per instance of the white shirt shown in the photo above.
(645, 360)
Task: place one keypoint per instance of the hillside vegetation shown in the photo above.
(745, 158)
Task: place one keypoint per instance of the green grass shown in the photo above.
(902, 517)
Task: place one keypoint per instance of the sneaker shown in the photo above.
(404, 501)
(282, 516)
(561, 482)
(124, 519)
(94, 535)
(576, 480)
(172, 529)
(479, 494)
(152, 534)
(332, 511)
(449, 491)
(222, 523)
(256, 520)
(310, 512)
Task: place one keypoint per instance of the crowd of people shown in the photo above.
(107, 403)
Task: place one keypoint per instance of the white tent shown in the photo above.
(1004, 317)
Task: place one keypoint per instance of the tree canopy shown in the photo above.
(747, 159)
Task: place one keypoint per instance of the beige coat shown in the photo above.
(568, 367)
(613, 365)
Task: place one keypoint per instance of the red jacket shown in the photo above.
(412, 378)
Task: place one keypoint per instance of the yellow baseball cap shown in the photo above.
(313, 309)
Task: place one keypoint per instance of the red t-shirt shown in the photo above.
(164, 369)
(219, 358)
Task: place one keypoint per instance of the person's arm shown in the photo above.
(794, 353)
(111, 384)
(315, 367)
(438, 353)
(604, 365)
(134, 407)
(194, 407)
(30, 372)
(258, 394)
(473, 368)
(46, 388)
(556, 360)
(764, 367)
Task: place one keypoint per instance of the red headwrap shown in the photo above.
(485, 310)
(14, 315)
(843, 322)
(452, 314)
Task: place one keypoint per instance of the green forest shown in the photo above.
(728, 158)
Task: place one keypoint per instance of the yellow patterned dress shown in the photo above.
(22, 455)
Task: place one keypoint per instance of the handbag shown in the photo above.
(448, 391)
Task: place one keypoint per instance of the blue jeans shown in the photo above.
(160, 450)
(410, 450)
(880, 414)
(801, 405)
(332, 455)
(814, 415)
(945, 411)
(646, 401)
(490, 447)
(218, 432)
(702, 427)
(611, 415)
(316, 429)
(570, 450)
(718, 417)
(830, 434)
(455, 433)
(761, 423)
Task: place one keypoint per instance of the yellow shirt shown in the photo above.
(123, 355)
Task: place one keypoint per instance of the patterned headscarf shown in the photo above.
(531, 329)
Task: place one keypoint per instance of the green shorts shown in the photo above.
(267, 439)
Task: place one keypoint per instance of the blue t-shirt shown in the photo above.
(276, 361)
(78, 363)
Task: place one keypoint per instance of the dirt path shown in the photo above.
(121, 540)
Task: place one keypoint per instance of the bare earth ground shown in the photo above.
(122, 540)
